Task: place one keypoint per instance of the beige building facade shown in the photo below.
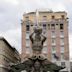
(55, 28)
(8, 55)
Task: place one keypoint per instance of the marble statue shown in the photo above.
(37, 40)
(36, 63)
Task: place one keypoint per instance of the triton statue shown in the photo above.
(36, 63)
(37, 40)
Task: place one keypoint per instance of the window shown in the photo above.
(27, 48)
(44, 29)
(57, 26)
(61, 33)
(31, 24)
(27, 18)
(62, 49)
(62, 56)
(45, 49)
(48, 26)
(62, 41)
(61, 26)
(62, 16)
(53, 34)
(52, 26)
(44, 18)
(53, 49)
(44, 26)
(53, 41)
(27, 28)
(53, 17)
(27, 35)
(53, 58)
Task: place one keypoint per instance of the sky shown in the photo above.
(11, 12)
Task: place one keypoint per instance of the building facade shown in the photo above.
(55, 28)
(8, 55)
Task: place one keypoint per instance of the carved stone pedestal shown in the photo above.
(36, 64)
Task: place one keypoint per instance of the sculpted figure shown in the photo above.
(36, 63)
(37, 40)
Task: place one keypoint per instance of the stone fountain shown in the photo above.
(37, 62)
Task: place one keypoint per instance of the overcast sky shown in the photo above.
(11, 12)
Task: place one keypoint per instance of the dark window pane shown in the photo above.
(44, 16)
(61, 26)
(53, 17)
(52, 26)
(27, 27)
(44, 26)
(31, 24)
(62, 16)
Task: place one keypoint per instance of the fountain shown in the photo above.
(37, 62)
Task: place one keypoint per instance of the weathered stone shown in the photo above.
(36, 63)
